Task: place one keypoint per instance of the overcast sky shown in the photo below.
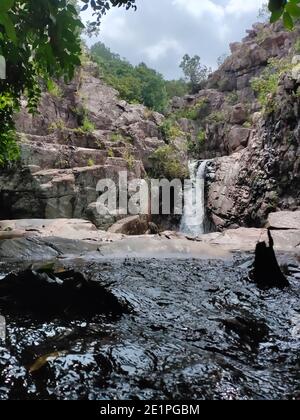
(160, 32)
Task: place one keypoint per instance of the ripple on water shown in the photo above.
(198, 330)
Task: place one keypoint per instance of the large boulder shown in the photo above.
(238, 138)
(133, 226)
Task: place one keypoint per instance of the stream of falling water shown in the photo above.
(193, 219)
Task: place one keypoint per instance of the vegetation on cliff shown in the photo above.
(41, 40)
(136, 84)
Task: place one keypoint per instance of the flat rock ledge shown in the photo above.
(39, 239)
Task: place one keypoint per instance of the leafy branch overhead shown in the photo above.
(288, 10)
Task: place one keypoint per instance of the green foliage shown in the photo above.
(57, 125)
(110, 153)
(266, 85)
(201, 136)
(297, 46)
(99, 8)
(129, 159)
(54, 89)
(288, 10)
(170, 129)
(195, 147)
(90, 163)
(116, 137)
(176, 88)
(232, 98)
(193, 112)
(195, 72)
(216, 117)
(135, 84)
(9, 150)
(39, 40)
(167, 164)
(87, 126)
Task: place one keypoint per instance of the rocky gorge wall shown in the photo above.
(254, 150)
(81, 134)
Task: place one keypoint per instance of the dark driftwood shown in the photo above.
(267, 273)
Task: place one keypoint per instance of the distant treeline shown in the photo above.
(136, 84)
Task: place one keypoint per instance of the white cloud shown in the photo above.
(116, 28)
(162, 48)
(240, 7)
(160, 32)
(199, 8)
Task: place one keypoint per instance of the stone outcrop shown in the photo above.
(249, 57)
(85, 133)
(65, 239)
(254, 153)
(245, 187)
(133, 226)
(81, 134)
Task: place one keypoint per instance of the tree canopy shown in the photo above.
(195, 72)
(137, 83)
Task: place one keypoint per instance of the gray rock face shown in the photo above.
(133, 225)
(255, 158)
(255, 166)
(238, 138)
(265, 176)
(285, 220)
(62, 160)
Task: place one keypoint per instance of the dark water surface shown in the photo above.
(195, 330)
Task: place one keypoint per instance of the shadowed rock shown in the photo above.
(48, 294)
(267, 273)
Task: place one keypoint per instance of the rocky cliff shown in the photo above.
(250, 137)
(82, 133)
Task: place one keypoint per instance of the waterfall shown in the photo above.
(193, 219)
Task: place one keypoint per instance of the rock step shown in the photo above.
(50, 155)
(66, 193)
(97, 139)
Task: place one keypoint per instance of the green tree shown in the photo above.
(195, 72)
(135, 84)
(39, 40)
(176, 88)
(154, 91)
(288, 10)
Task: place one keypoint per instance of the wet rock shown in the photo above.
(172, 346)
(250, 331)
(153, 228)
(48, 294)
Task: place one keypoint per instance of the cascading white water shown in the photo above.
(193, 218)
